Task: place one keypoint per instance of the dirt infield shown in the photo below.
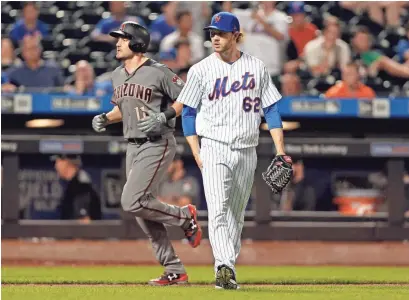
(113, 252)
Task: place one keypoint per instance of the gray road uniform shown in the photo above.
(151, 88)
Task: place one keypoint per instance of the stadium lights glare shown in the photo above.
(287, 125)
(44, 123)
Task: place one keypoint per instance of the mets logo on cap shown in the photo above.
(217, 19)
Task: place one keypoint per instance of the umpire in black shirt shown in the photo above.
(80, 201)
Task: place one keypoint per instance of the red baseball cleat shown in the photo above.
(169, 279)
(194, 232)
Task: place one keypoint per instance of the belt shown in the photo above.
(140, 141)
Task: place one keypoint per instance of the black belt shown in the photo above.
(140, 141)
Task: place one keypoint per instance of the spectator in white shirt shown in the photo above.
(184, 30)
(265, 32)
(327, 52)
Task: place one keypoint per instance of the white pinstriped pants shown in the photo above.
(228, 179)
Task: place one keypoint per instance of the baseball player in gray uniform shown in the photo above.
(144, 91)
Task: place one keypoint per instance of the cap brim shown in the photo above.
(215, 28)
(119, 33)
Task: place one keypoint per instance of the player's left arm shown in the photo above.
(269, 102)
(171, 86)
(275, 126)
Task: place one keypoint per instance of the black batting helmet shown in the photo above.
(138, 36)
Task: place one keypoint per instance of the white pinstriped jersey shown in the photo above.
(229, 98)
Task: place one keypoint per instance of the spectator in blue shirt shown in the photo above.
(4, 78)
(403, 47)
(118, 16)
(165, 24)
(85, 84)
(35, 73)
(29, 24)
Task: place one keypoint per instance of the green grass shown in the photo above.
(284, 283)
(245, 274)
(205, 293)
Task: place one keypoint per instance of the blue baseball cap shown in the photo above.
(224, 21)
(296, 7)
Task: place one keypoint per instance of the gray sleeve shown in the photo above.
(113, 98)
(171, 84)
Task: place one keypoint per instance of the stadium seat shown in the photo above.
(103, 4)
(52, 43)
(14, 5)
(3, 29)
(71, 31)
(321, 84)
(51, 16)
(405, 89)
(375, 83)
(317, 20)
(66, 5)
(51, 55)
(97, 56)
(96, 45)
(364, 20)
(75, 55)
(346, 35)
(336, 10)
(101, 68)
(389, 39)
(6, 18)
(89, 16)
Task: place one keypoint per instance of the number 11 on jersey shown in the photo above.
(140, 112)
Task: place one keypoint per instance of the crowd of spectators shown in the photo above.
(334, 49)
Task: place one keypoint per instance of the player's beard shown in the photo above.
(124, 56)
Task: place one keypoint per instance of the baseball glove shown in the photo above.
(279, 173)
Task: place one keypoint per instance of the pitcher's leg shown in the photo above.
(242, 183)
(216, 181)
(161, 245)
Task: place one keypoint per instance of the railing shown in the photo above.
(262, 224)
